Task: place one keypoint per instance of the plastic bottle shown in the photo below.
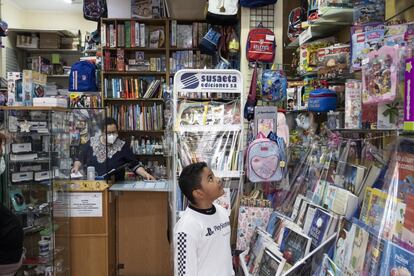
(132, 145)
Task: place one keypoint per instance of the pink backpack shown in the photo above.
(262, 160)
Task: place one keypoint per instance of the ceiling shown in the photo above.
(49, 5)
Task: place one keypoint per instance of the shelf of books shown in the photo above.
(209, 131)
(135, 70)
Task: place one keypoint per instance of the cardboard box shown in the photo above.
(52, 102)
(49, 41)
(27, 41)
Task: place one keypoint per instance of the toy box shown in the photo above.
(364, 39)
(353, 104)
(333, 61)
(366, 11)
(308, 56)
(14, 89)
(323, 4)
(380, 76)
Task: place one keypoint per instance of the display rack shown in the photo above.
(192, 84)
(37, 155)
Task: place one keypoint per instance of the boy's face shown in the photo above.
(211, 187)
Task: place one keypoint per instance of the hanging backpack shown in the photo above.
(261, 45)
(82, 77)
(209, 43)
(274, 85)
(222, 12)
(256, 3)
(280, 141)
(94, 10)
(263, 162)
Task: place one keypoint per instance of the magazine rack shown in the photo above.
(208, 125)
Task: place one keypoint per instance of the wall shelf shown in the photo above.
(131, 73)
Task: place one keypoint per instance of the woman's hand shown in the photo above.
(142, 172)
(76, 167)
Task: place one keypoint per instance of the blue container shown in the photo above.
(322, 100)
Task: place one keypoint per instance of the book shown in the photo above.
(184, 36)
(275, 224)
(127, 34)
(294, 245)
(265, 120)
(396, 260)
(173, 37)
(328, 268)
(371, 177)
(359, 250)
(272, 263)
(343, 247)
(120, 59)
(142, 35)
(256, 248)
(319, 228)
(373, 255)
(309, 218)
(353, 104)
(352, 178)
(407, 235)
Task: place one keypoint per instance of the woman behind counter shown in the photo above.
(107, 152)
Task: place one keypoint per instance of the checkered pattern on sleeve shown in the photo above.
(182, 253)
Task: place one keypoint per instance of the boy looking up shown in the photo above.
(202, 235)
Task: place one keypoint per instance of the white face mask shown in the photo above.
(111, 138)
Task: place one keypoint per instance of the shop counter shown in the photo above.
(142, 228)
(92, 222)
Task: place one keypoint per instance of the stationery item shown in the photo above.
(40, 176)
(353, 104)
(250, 218)
(22, 147)
(22, 176)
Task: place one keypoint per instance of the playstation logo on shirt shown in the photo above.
(209, 232)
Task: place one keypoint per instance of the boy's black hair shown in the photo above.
(110, 121)
(190, 179)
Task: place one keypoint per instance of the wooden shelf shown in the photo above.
(58, 76)
(64, 33)
(147, 49)
(142, 131)
(61, 51)
(134, 100)
(151, 21)
(33, 108)
(129, 73)
(184, 49)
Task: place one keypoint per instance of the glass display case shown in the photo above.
(37, 157)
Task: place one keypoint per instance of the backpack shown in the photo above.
(222, 12)
(256, 3)
(261, 45)
(274, 85)
(263, 161)
(209, 43)
(94, 10)
(82, 77)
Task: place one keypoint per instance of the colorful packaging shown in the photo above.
(353, 104)
(333, 61)
(380, 76)
(308, 56)
(409, 96)
(14, 88)
(366, 11)
(364, 39)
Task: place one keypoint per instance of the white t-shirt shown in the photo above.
(202, 243)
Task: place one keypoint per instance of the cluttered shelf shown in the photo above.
(149, 49)
(130, 73)
(60, 51)
(134, 100)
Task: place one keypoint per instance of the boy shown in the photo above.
(202, 235)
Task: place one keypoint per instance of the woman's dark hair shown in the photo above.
(110, 121)
(190, 179)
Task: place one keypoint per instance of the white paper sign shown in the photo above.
(85, 204)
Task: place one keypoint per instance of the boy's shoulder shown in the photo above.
(188, 222)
